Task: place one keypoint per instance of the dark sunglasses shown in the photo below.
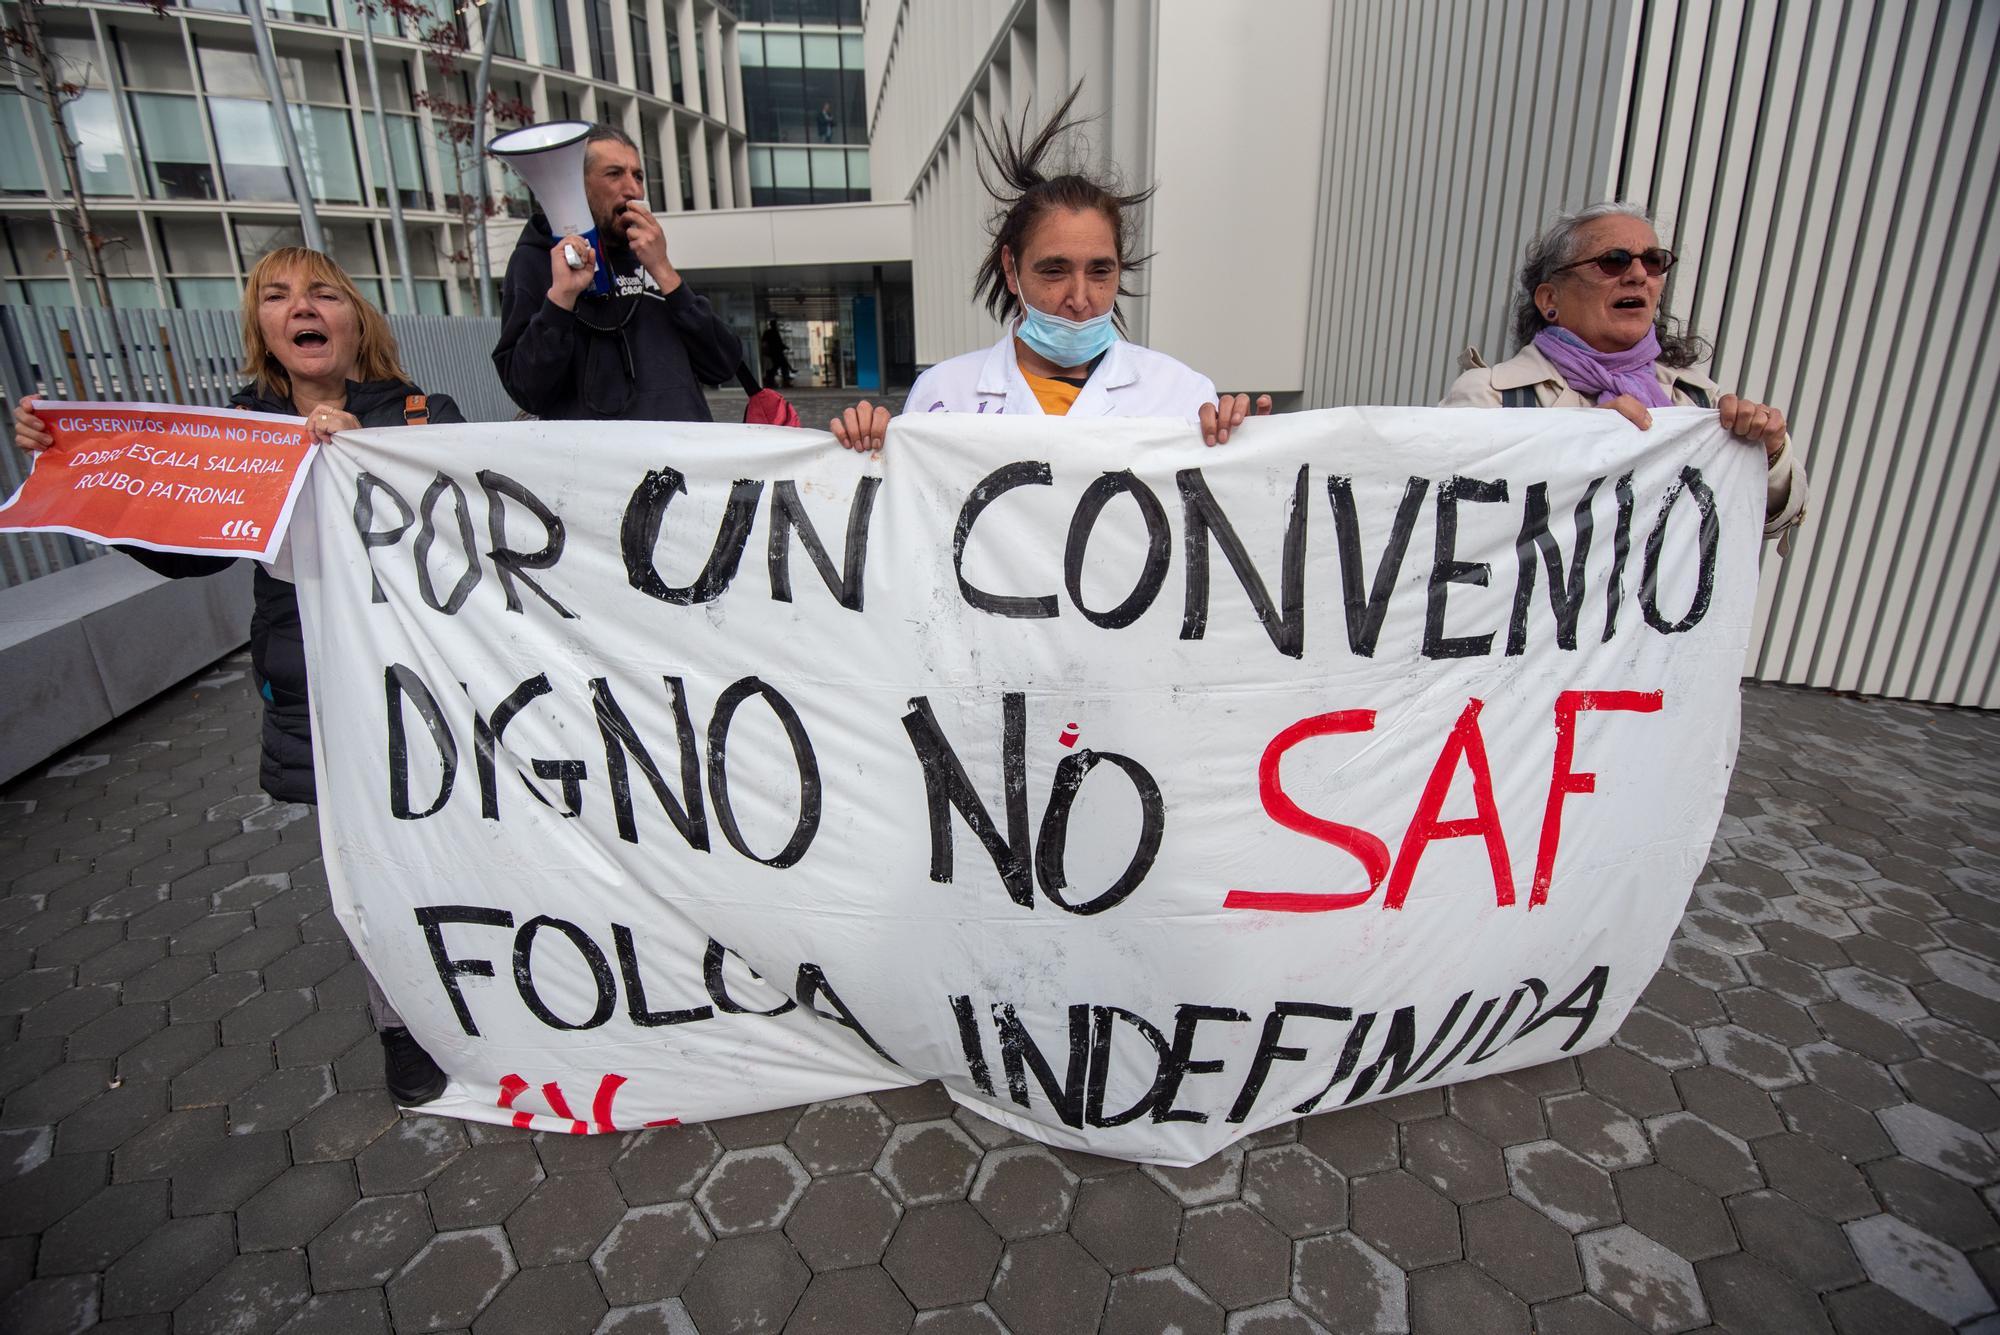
(1614, 263)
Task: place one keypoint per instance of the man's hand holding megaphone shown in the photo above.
(569, 281)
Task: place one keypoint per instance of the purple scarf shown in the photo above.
(1606, 374)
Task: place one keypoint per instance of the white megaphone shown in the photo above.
(550, 159)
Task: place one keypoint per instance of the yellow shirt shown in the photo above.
(1055, 396)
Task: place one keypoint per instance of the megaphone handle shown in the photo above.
(571, 258)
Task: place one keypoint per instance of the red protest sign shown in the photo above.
(156, 475)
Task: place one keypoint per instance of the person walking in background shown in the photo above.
(314, 348)
(640, 354)
(1588, 318)
(777, 359)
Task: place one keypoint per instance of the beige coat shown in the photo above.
(1481, 386)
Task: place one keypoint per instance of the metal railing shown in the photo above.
(192, 357)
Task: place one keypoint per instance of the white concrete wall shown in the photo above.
(814, 234)
(1234, 223)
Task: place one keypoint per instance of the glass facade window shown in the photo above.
(603, 54)
(229, 70)
(431, 299)
(803, 87)
(193, 245)
(100, 150)
(35, 249)
(800, 11)
(172, 146)
(326, 149)
(507, 34)
(20, 173)
(687, 170)
(815, 175)
(254, 240)
(642, 52)
(554, 20)
(319, 78)
(215, 294)
(674, 65)
(152, 62)
(411, 189)
(319, 12)
(382, 21)
(253, 166)
(655, 165)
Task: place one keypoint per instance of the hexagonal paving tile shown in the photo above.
(943, 1254)
(1234, 1254)
(1295, 1189)
(751, 1190)
(1599, 1132)
(1455, 1159)
(666, 1163)
(1686, 1218)
(843, 1136)
(1159, 1300)
(369, 1242)
(928, 1162)
(651, 1253)
(1652, 1287)
(841, 1301)
(841, 1221)
(1049, 1286)
(1808, 1247)
(1562, 1185)
(1920, 1269)
(1216, 1178)
(1941, 1143)
(749, 1283)
(1404, 1219)
(1703, 1153)
(1350, 1286)
(1024, 1191)
(564, 1219)
(1127, 1222)
(1526, 1251)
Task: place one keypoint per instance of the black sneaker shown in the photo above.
(413, 1077)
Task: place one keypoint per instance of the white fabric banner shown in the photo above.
(1146, 794)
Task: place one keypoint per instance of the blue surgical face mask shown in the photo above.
(1065, 342)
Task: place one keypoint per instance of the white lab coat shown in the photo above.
(1131, 381)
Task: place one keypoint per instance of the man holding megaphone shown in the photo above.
(595, 322)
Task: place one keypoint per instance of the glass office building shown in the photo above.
(181, 159)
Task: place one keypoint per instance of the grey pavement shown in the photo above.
(1796, 1132)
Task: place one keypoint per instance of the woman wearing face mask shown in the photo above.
(1062, 247)
(314, 348)
(1587, 315)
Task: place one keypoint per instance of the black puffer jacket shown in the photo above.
(625, 358)
(277, 641)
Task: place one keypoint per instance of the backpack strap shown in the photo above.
(416, 410)
(1521, 396)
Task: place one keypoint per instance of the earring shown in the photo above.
(1551, 314)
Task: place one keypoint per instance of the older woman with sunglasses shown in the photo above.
(1587, 315)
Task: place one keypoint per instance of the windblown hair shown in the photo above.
(1026, 180)
(1557, 245)
(375, 356)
